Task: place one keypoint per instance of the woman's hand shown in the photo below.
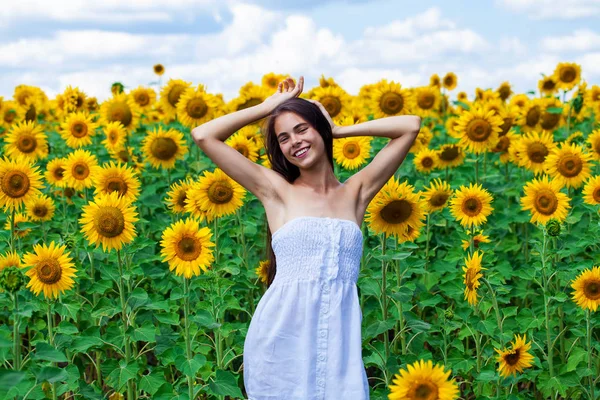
(334, 127)
(285, 90)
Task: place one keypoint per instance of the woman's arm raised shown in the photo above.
(210, 137)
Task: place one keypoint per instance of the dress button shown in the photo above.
(325, 309)
(325, 288)
(321, 357)
(323, 333)
(321, 382)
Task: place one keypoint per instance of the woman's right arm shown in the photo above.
(210, 137)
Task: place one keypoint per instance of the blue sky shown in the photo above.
(224, 44)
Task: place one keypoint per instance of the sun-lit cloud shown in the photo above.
(552, 9)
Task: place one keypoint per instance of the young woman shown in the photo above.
(304, 340)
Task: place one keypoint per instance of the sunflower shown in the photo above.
(449, 81)
(144, 97)
(126, 156)
(423, 381)
(388, 98)
(503, 146)
(116, 88)
(26, 139)
(117, 178)
(19, 182)
(55, 172)
(23, 93)
(426, 101)
(271, 80)
(530, 115)
(177, 196)
(504, 91)
(245, 146)
(80, 168)
(593, 144)
(10, 259)
(436, 195)
(477, 239)
(423, 140)
(74, 100)
(77, 129)
(509, 115)
(547, 85)
(262, 271)
(478, 130)
(434, 80)
(351, 152)
(159, 69)
(450, 156)
(40, 208)
(471, 205)
(549, 119)
(450, 126)
(592, 95)
(250, 96)
(10, 112)
(52, 269)
(591, 191)
(186, 247)
(163, 148)
(570, 165)
(335, 100)
(19, 231)
(534, 148)
(196, 106)
(472, 274)
(518, 101)
(544, 200)
(587, 289)
(395, 208)
(108, 220)
(567, 75)
(116, 134)
(92, 104)
(515, 359)
(426, 160)
(170, 94)
(215, 194)
(121, 108)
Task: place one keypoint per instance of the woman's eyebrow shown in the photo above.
(295, 128)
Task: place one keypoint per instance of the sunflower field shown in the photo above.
(130, 265)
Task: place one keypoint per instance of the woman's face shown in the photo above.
(294, 133)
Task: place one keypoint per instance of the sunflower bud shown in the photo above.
(117, 88)
(449, 314)
(11, 279)
(578, 103)
(47, 388)
(70, 242)
(553, 227)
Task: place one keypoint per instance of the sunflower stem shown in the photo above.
(130, 390)
(188, 342)
(477, 168)
(12, 230)
(51, 341)
(484, 167)
(426, 242)
(218, 338)
(546, 301)
(384, 297)
(16, 335)
(590, 352)
(242, 237)
(496, 309)
(400, 310)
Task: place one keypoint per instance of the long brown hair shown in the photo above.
(313, 115)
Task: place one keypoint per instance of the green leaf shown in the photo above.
(576, 356)
(43, 351)
(81, 344)
(171, 319)
(204, 318)
(9, 379)
(152, 382)
(486, 376)
(225, 385)
(138, 298)
(554, 110)
(52, 374)
(460, 103)
(190, 367)
(378, 328)
(66, 328)
(145, 333)
(104, 308)
(119, 376)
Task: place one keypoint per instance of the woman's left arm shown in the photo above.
(390, 127)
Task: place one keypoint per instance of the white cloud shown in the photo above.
(553, 9)
(512, 45)
(429, 20)
(580, 40)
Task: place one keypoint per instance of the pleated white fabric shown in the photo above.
(304, 340)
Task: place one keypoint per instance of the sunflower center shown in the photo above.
(549, 85)
(423, 391)
(272, 82)
(175, 94)
(506, 125)
(120, 112)
(249, 103)
(109, 221)
(570, 166)
(470, 278)
(391, 103)
(568, 75)
(220, 192)
(15, 184)
(426, 101)
(9, 116)
(31, 113)
(549, 121)
(397, 211)
(188, 248)
(504, 92)
(332, 104)
(513, 357)
(196, 108)
(59, 173)
(116, 184)
(351, 150)
(113, 137)
(79, 129)
(592, 289)
(123, 155)
(164, 148)
(80, 171)
(48, 271)
(158, 69)
(479, 130)
(142, 99)
(242, 149)
(472, 206)
(427, 162)
(502, 145)
(533, 116)
(181, 198)
(439, 199)
(537, 152)
(27, 143)
(449, 153)
(546, 202)
(40, 210)
(448, 81)
(596, 195)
